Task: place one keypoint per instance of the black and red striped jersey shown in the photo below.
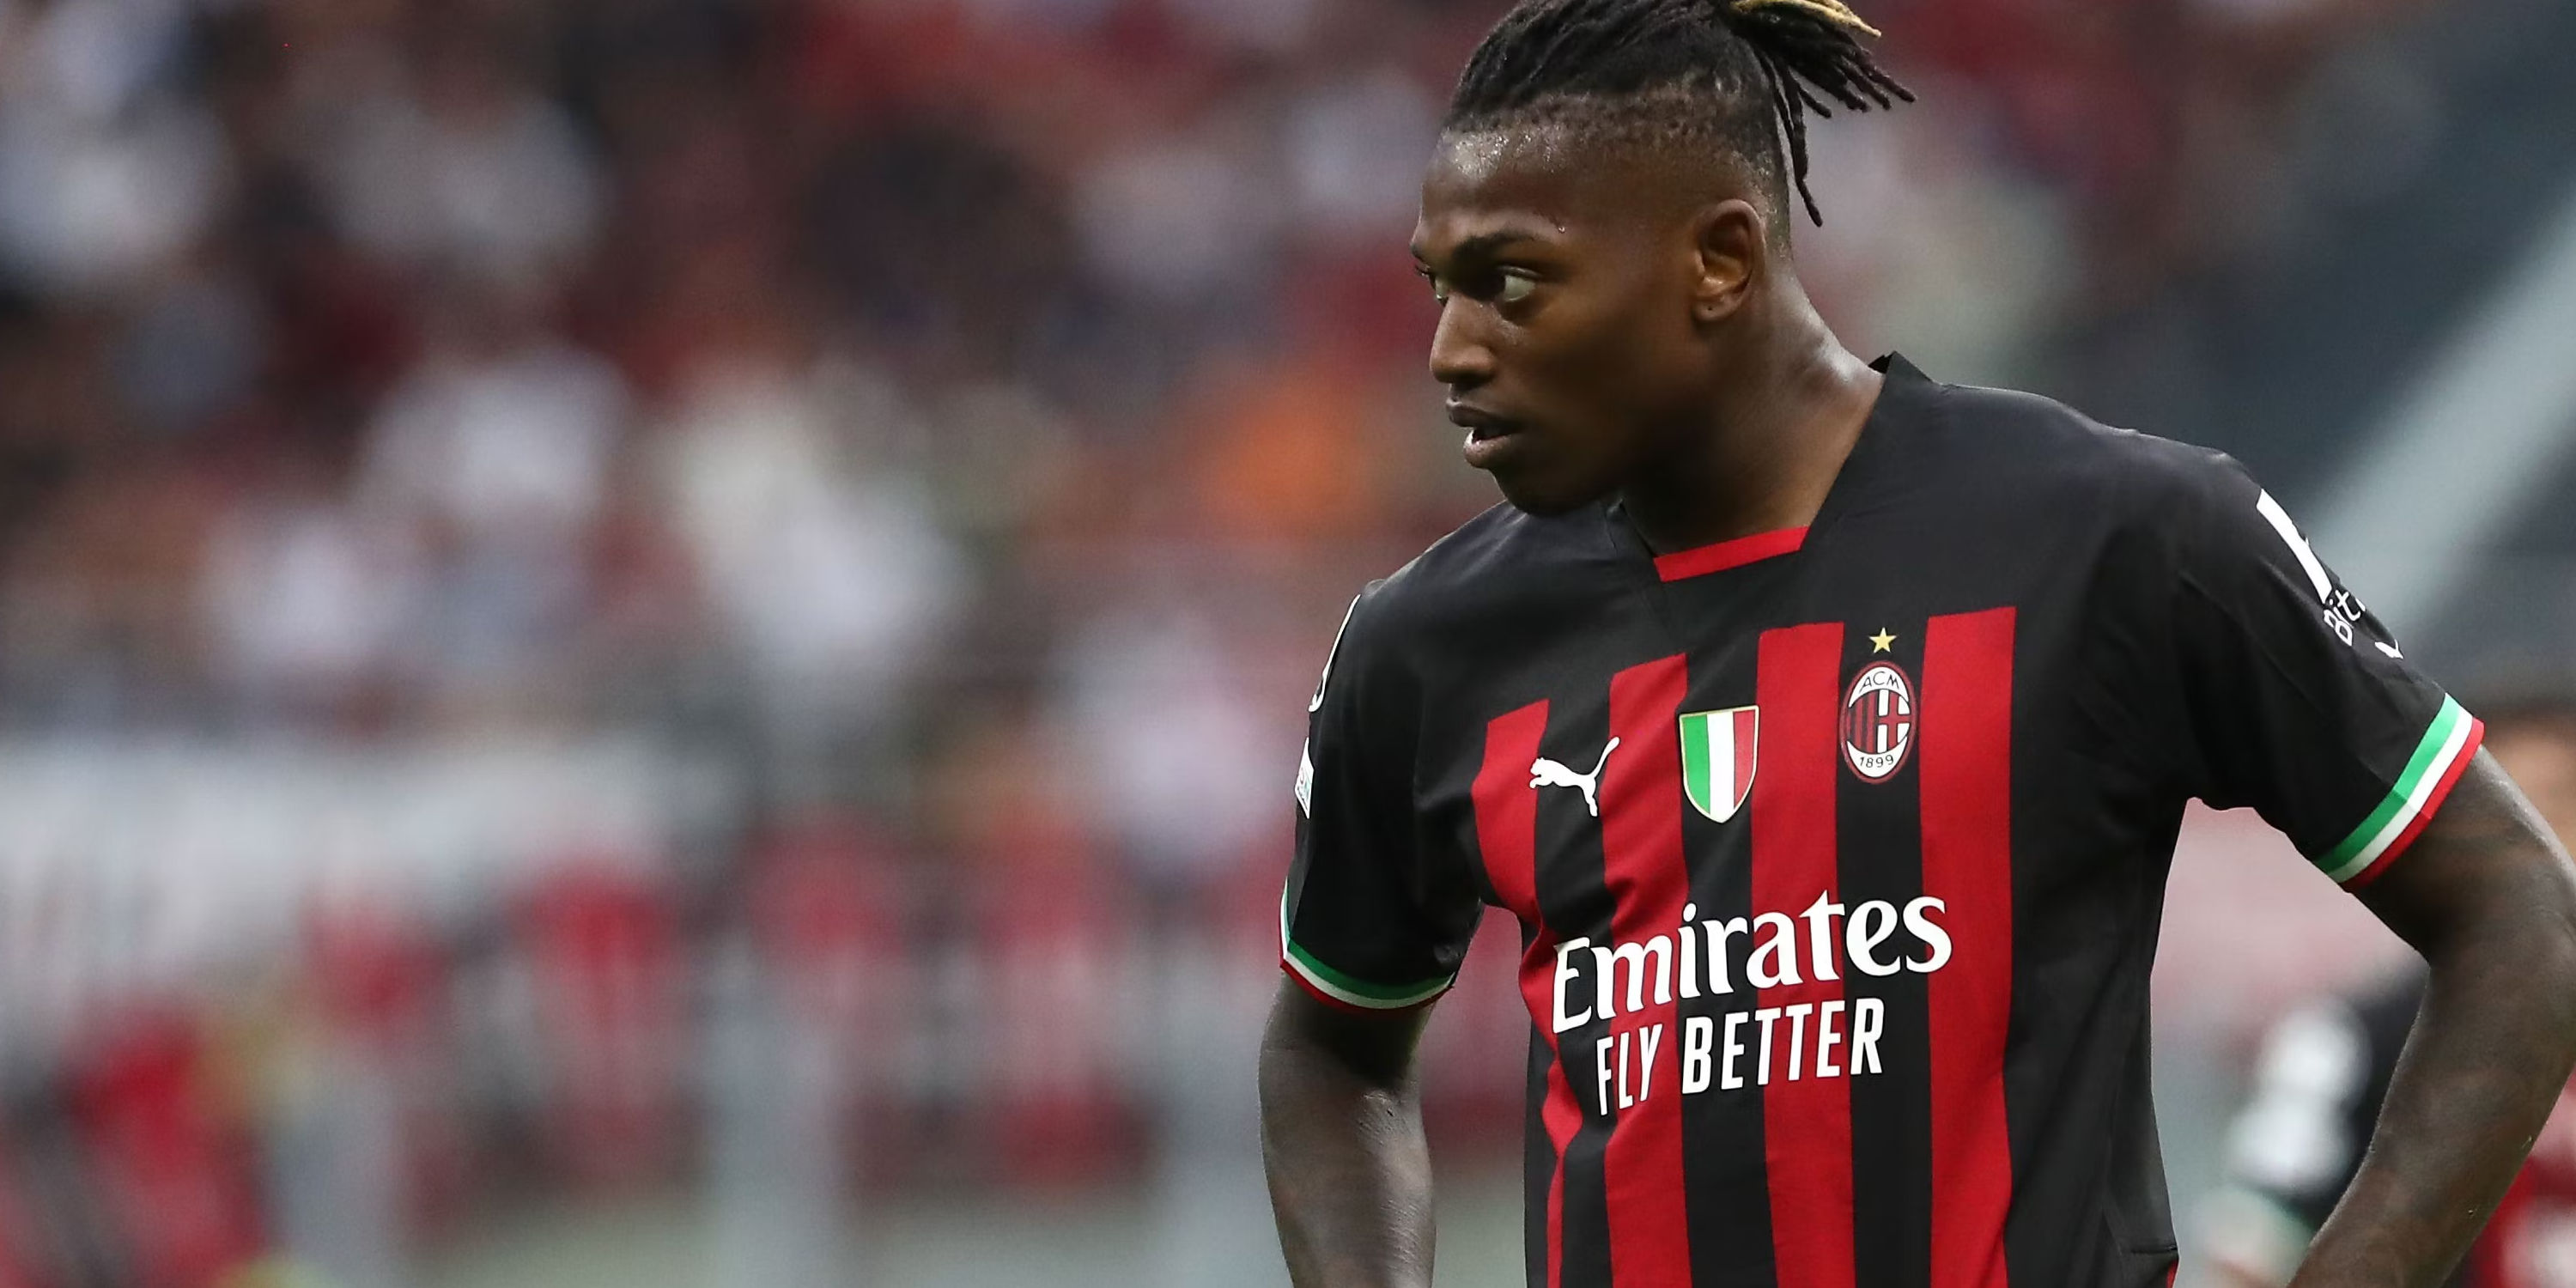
(1839, 853)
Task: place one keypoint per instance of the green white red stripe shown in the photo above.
(1334, 986)
(1717, 759)
(2445, 750)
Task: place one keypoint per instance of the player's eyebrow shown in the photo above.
(1480, 246)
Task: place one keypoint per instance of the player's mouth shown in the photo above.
(1489, 436)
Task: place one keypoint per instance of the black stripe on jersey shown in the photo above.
(1538, 1153)
(1880, 826)
(1573, 890)
(1538, 1161)
(1728, 1188)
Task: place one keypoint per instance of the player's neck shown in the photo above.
(1773, 443)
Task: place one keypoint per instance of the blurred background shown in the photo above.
(659, 642)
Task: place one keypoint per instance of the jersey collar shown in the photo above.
(1901, 397)
(1700, 561)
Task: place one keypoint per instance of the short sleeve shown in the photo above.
(2295, 699)
(1370, 918)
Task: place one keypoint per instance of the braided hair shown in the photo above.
(1739, 74)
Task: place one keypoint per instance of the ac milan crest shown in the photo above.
(1717, 759)
(1878, 722)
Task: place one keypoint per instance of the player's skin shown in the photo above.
(2542, 760)
(1625, 321)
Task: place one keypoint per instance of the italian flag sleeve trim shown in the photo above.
(1342, 990)
(2445, 751)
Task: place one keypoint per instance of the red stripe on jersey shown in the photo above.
(1507, 811)
(1507, 835)
(1704, 560)
(1641, 846)
(1966, 768)
(2432, 805)
(1806, 1123)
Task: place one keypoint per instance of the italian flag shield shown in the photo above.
(1717, 759)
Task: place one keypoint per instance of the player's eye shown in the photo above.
(1515, 287)
(1439, 292)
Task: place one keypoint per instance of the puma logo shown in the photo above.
(1548, 773)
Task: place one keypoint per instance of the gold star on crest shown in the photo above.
(1882, 642)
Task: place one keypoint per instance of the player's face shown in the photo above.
(1565, 333)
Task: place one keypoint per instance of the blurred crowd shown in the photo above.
(958, 421)
(374, 366)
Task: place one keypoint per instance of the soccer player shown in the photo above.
(1827, 729)
(2326, 1070)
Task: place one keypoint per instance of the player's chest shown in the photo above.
(1625, 779)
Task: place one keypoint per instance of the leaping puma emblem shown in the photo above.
(1548, 773)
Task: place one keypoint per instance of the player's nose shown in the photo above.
(1460, 356)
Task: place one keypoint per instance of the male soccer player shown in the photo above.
(2327, 1068)
(1827, 729)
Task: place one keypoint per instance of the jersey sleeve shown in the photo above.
(1371, 918)
(2295, 699)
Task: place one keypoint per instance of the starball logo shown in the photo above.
(1755, 1045)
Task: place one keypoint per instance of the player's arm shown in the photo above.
(1373, 924)
(2295, 700)
(2489, 899)
(2299, 1137)
(1341, 1139)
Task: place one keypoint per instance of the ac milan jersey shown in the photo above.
(1839, 853)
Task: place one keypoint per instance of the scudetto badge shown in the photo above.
(1717, 759)
(1878, 722)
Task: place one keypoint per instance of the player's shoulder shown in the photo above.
(2054, 456)
(1503, 567)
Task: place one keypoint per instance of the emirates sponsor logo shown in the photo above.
(1752, 1046)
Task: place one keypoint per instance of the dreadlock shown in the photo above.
(1742, 74)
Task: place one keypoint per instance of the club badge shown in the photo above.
(1878, 722)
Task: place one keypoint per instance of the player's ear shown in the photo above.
(1729, 245)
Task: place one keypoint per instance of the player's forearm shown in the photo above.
(2488, 1056)
(2485, 1063)
(1350, 1174)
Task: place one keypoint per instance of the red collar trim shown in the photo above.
(1729, 554)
